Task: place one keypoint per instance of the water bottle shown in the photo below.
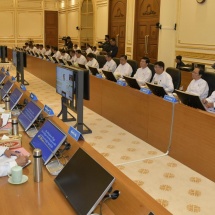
(38, 174)
(15, 128)
(7, 103)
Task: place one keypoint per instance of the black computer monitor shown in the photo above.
(49, 139)
(55, 59)
(3, 53)
(61, 61)
(190, 100)
(93, 70)
(15, 96)
(156, 89)
(132, 82)
(28, 115)
(82, 66)
(84, 182)
(109, 76)
(6, 88)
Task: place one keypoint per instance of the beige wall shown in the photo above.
(194, 38)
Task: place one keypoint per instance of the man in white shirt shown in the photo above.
(162, 78)
(57, 54)
(80, 58)
(76, 47)
(88, 49)
(198, 86)
(110, 65)
(73, 57)
(48, 50)
(64, 56)
(210, 101)
(95, 51)
(124, 69)
(143, 74)
(9, 159)
(42, 49)
(91, 61)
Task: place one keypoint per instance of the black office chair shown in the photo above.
(151, 67)
(134, 66)
(176, 76)
(210, 78)
(116, 60)
(101, 60)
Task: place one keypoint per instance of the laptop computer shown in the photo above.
(2, 77)
(156, 89)
(69, 63)
(36, 54)
(93, 70)
(82, 66)
(62, 61)
(47, 57)
(132, 82)
(109, 75)
(15, 97)
(191, 100)
(55, 60)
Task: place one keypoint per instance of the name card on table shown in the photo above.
(75, 134)
(98, 75)
(146, 90)
(3, 69)
(33, 97)
(22, 87)
(7, 73)
(13, 78)
(48, 110)
(170, 99)
(121, 83)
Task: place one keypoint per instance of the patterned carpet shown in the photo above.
(179, 189)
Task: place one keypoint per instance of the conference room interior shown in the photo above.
(182, 182)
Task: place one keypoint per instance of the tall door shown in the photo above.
(117, 23)
(51, 28)
(146, 33)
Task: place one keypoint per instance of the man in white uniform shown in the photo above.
(64, 56)
(73, 56)
(110, 65)
(198, 86)
(143, 74)
(80, 58)
(57, 54)
(48, 50)
(162, 78)
(91, 61)
(7, 162)
(124, 69)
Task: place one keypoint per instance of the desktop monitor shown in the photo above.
(28, 115)
(2, 77)
(156, 89)
(84, 182)
(62, 62)
(190, 100)
(3, 53)
(109, 76)
(6, 88)
(49, 139)
(14, 54)
(15, 96)
(132, 82)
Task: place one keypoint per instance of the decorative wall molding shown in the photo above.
(33, 4)
(8, 25)
(7, 4)
(194, 55)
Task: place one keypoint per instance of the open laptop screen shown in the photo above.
(28, 115)
(6, 88)
(156, 89)
(84, 182)
(49, 139)
(15, 97)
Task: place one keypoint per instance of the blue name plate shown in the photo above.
(98, 75)
(13, 78)
(7, 73)
(121, 83)
(170, 99)
(48, 110)
(75, 134)
(146, 90)
(22, 87)
(33, 97)
(3, 69)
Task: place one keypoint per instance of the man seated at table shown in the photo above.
(143, 74)
(92, 61)
(57, 53)
(48, 50)
(198, 86)
(73, 57)
(64, 56)
(80, 58)
(6, 164)
(88, 49)
(179, 62)
(113, 47)
(210, 101)
(110, 64)
(42, 50)
(162, 78)
(124, 68)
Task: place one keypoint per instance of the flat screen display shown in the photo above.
(49, 139)
(15, 97)
(6, 88)
(14, 58)
(28, 115)
(2, 77)
(65, 82)
(84, 182)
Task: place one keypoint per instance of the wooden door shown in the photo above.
(51, 28)
(117, 23)
(146, 33)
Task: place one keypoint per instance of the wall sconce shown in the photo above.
(78, 28)
(158, 25)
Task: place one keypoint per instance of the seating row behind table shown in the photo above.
(146, 117)
(46, 198)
